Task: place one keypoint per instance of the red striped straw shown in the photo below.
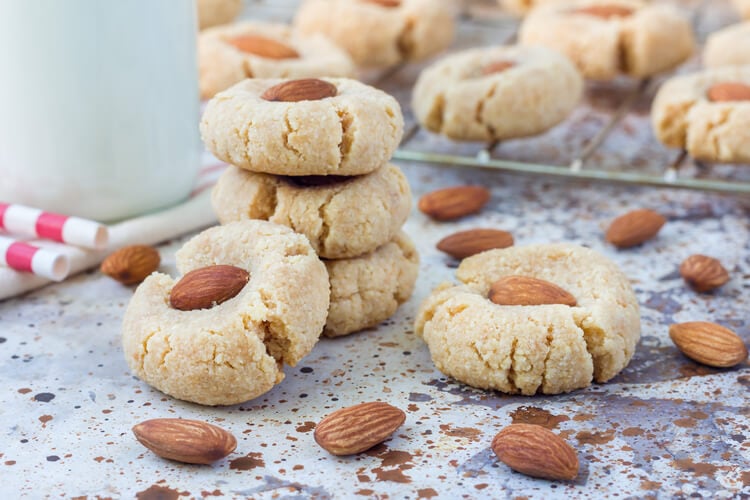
(27, 221)
(28, 258)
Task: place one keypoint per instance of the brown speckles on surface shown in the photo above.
(696, 468)
(537, 416)
(426, 493)
(44, 419)
(24, 390)
(248, 462)
(306, 427)
(469, 433)
(159, 492)
(393, 464)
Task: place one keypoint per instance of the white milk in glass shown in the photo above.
(98, 105)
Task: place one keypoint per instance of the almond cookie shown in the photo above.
(529, 349)
(496, 93)
(233, 351)
(213, 12)
(707, 113)
(743, 7)
(380, 32)
(229, 54)
(521, 7)
(728, 47)
(368, 289)
(341, 216)
(331, 126)
(606, 38)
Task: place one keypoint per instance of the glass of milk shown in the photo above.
(99, 105)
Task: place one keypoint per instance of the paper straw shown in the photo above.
(28, 258)
(27, 221)
(151, 229)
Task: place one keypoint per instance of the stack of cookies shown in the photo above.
(313, 155)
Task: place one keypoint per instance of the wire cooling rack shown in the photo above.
(608, 138)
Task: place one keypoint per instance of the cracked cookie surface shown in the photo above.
(213, 12)
(378, 35)
(683, 116)
(341, 216)
(545, 349)
(234, 351)
(461, 97)
(352, 133)
(222, 61)
(645, 40)
(728, 47)
(369, 289)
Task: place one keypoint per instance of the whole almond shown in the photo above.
(467, 243)
(634, 228)
(263, 47)
(536, 451)
(703, 273)
(358, 428)
(605, 11)
(189, 441)
(708, 343)
(306, 89)
(526, 291)
(729, 91)
(454, 202)
(132, 264)
(497, 67)
(385, 3)
(207, 287)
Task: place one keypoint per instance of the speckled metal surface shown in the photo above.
(665, 427)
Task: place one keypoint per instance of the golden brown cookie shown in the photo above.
(707, 113)
(229, 54)
(496, 93)
(213, 12)
(341, 216)
(606, 38)
(728, 47)
(336, 126)
(233, 351)
(743, 7)
(368, 289)
(529, 349)
(380, 32)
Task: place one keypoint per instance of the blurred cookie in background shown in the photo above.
(214, 12)
(743, 6)
(379, 33)
(522, 7)
(495, 93)
(728, 47)
(612, 37)
(229, 54)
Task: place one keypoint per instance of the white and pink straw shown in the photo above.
(27, 221)
(29, 258)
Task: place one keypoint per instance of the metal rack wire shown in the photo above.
(681, 172)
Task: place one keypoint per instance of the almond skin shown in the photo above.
(207, 287)
(497, 67)
(703, 273)
(385, 3)
(605, 11)
(358, 428)
(132, 264)
(634, 228)
(708, 343)
(453, 202)
(467, 243)
(263, 47)
(536, 451)
(728, 92)
(526, 291)
(306, 89)
(188, 441)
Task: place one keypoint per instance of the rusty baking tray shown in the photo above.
(607, 138)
